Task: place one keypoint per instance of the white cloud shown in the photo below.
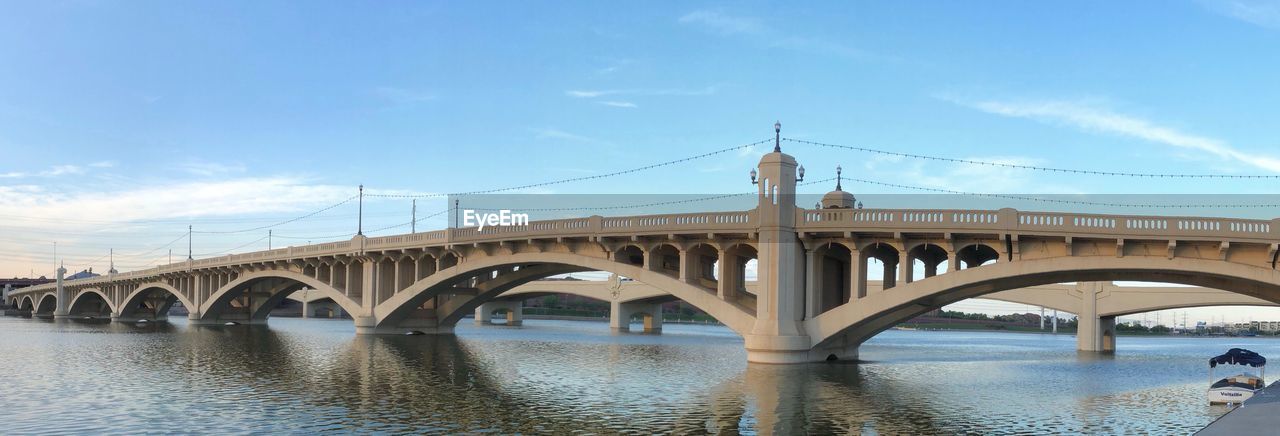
(1265, 13)
(550, 133)
(753, 29)
(622, 104)
(103, 164)
(53, 171)
(200, 168)
(722, 23)
(593, 93)
(49, 208)
(1095, 119)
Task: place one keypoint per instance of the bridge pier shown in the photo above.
(620, 315)
(1094, 333)
(515, 312)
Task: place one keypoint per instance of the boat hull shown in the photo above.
(1229, 395)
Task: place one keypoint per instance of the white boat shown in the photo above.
(1237, 388)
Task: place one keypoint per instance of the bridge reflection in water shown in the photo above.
(563, 376)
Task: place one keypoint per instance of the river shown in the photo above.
(305, 376)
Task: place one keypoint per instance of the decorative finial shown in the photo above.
(838, 178)
(777, 137)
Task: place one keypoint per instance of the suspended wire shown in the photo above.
(1060, 201)
(582, 178)
(412, 222)
(281, 223)
(1034, 167)
(229, 250)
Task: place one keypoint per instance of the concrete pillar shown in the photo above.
(63, 299)
(620, 316)
(1093, 333)
(890, 277)
(306, 307)
(857, 275)
(906, 272)
(727, 270)
(812, 285)
(515, 312)
(484, 313)
(778, 335)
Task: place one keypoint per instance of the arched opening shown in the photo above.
(46, 306)
(929, 258)
(426, 266)
(630, 255)
(976, 255)
(151, 303)
(403, 314)
(90, 304)
(732, 272)
(448, 260)
(26, 306)
(834, 276)
(881, 257)
(385, 284)
(888, 309)
(702, 263)
(665, 259)
(252, 297)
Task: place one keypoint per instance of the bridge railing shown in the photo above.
(1008, 220)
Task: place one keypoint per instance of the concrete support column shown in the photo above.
(1093, 333)
(688, 266)
(857, 275)
(727, 270)
(515, 312)
(306, 308)
(63, 303)
(890, 277)
(620, 316)
(905, 273)
(812, 286)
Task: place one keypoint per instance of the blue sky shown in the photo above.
(122, 123)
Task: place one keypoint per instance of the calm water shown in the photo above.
(303, 376)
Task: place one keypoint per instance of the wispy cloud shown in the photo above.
(593, 93)
(550, 133)
(622, 104)
(724, 24)
(1265, 13)
(1092, 118)
(201, 168)
(754, 29)
(103, 164)
(53, 171)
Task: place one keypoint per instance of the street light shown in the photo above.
(777, 137)
(801, 171)
(753, 176)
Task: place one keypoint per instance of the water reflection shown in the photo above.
(303, 376)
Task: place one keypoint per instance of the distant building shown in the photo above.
(82, 275)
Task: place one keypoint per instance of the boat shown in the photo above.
(1237, 388)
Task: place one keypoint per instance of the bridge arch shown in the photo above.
(860, 320)
(47, 305)
(84, 300)
(534, 266)
(26, 304)
(138, 299)
(291, 281)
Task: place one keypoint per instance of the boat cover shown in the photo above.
(1238, 356)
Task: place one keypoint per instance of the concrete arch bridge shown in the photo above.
(812, 300)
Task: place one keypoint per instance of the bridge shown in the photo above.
(812, 298)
